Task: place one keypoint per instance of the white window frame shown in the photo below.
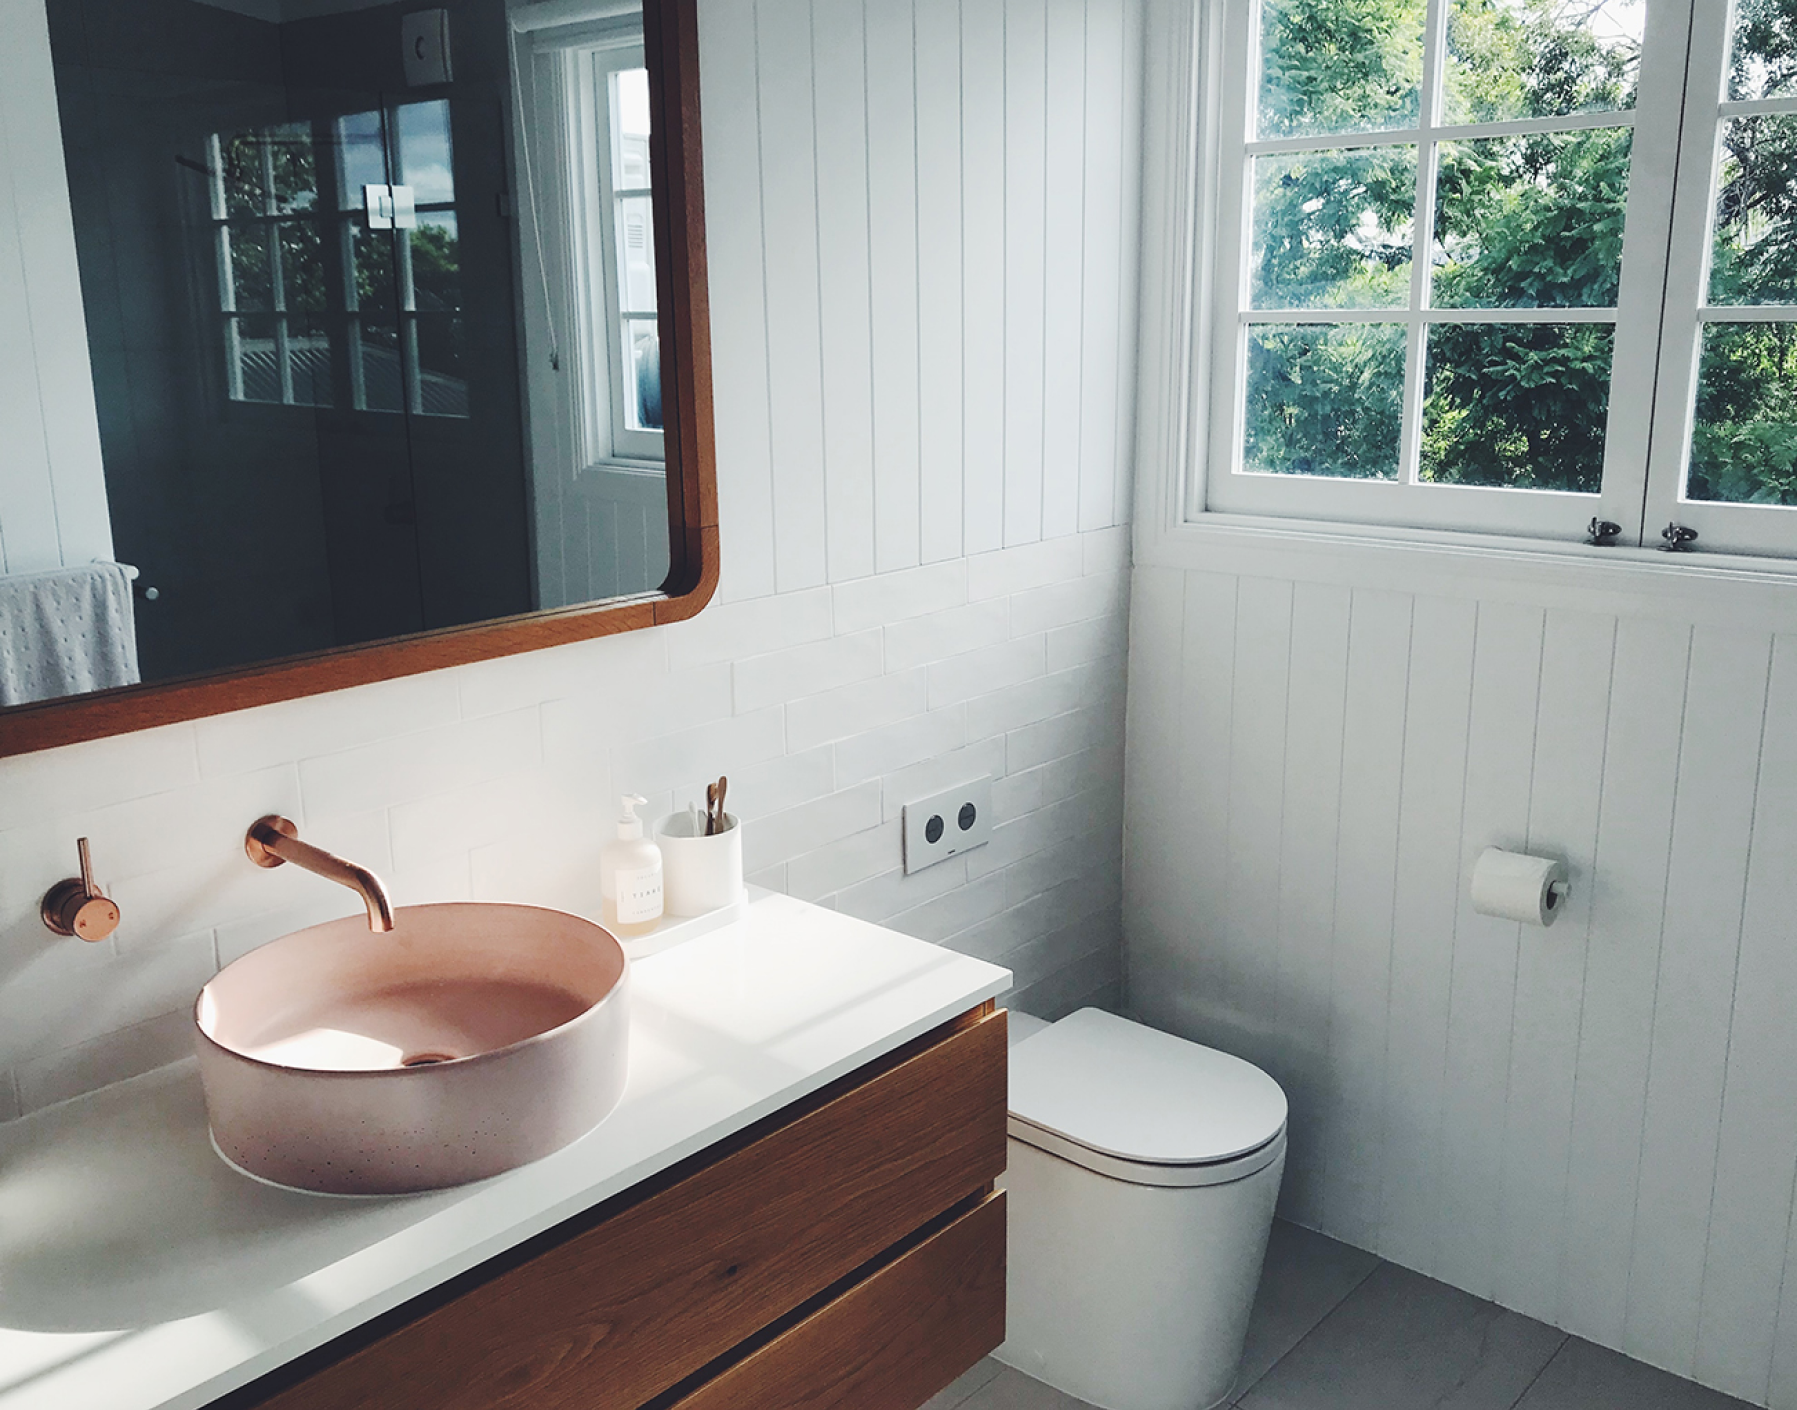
(573, 321)
(1205, 83)
(597, 200)
(1725, 527)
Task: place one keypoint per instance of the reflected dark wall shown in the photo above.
(217, 503)
(268, 529)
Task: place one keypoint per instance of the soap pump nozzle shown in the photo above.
(630, 826)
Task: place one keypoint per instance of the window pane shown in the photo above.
(1324, 399)
(252, 278)
(371, 254)
(442, 366)
(309, 352)
(361, 157)
(258, 359)
(1334, 229)
(425, 161)
(1517, 405)
(1744, 445)
(636, 254)
(1327, 66)
(1754, 256)
(244, 190)
(1531, 222)
(642, 375)
(1540, 58)
(302, 267)
(293, 167)
(436, 263)
(1764, 62)
(630, 148)
(382, 385)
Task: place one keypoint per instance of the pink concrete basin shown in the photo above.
(468, 1040)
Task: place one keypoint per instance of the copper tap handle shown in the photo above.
(76, 906)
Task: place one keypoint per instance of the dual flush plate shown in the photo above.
(954, 821)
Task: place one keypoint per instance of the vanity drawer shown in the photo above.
(613, 1308)
(892, 1340)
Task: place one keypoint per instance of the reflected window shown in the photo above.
(273, 297)
(318, 300)
(589, 225)
(612, 245)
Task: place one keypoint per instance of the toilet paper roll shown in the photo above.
(1518, 887)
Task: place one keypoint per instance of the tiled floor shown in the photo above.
(1338, 1329)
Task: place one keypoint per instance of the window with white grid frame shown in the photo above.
(1446, 297)
(1725, 430)
(272, 289)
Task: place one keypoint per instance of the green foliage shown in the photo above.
(1744, 446)
(1340, 65)
(436, 266)
(1532, 58)
(1765, 53)
(1532, 222)
(1332, 229)
(1325, 399)
(1519, 405)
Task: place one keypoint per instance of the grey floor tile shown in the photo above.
(1306, 1276)
(1588, 1377)
(1012, 1390)
(952, 1397)
(1401, 1341)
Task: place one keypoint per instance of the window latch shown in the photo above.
(390, 207)
(1678, 538)
(1602, 533)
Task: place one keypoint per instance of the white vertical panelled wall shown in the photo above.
(52, 494)
(925, 347)
(1593, 1124)
(909, 599)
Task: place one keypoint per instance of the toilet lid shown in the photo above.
(1138, 1094)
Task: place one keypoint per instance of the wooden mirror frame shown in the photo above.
(671, 47)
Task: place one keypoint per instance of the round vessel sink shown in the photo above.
(468, 1040)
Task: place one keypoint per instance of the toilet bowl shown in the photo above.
(1142, 1179)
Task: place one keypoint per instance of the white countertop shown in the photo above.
(139, 1272)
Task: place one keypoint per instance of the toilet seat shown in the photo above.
(1135, 1104)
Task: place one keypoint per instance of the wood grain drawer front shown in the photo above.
(631, 1305)
(891, 1341)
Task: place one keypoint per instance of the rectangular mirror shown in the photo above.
(396, 322)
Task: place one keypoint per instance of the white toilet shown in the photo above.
(1143, 1175)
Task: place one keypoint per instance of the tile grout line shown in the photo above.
(1565, 1340)
(1334, 1307)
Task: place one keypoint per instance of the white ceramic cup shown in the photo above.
(699, 874)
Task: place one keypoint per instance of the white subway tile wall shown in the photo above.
(459, 784)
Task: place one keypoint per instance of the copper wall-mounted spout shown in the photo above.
(274, 839)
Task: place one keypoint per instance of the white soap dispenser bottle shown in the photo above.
(630, 876)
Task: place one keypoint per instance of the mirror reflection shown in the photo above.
(371, 304)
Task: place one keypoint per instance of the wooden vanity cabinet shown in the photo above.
(849, 1250)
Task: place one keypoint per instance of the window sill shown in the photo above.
(1726, 589)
